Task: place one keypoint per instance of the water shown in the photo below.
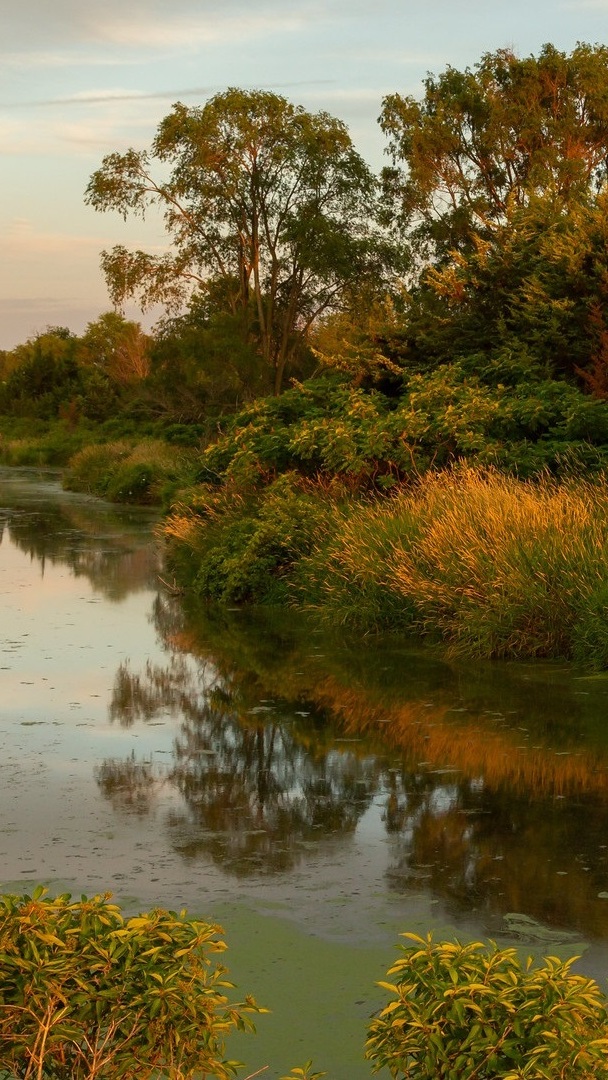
(316, 793)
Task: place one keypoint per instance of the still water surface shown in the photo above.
(315, 793)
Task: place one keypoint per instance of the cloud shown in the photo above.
(30, 60)
(104, 97)
(190, 31)
(34, 23)
(21, 239)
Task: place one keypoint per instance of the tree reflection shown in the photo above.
(257, 789)
(105, 545)
(286, 739)
(130, 786)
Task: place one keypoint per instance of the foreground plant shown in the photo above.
(474, 1012)
(86, 993)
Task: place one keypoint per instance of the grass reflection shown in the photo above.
(491, 786)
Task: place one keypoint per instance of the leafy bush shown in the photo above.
(231, 547)
(328, 428)
(86, 993)
(122, 472)
(475, 1012)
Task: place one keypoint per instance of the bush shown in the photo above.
(86, 993)
(39, 442)
(459, 1012)
(234, 548)
(124, 473)
(91, 469)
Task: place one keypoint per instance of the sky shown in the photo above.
(80, 79)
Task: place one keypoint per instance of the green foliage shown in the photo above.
(474, 1011)
(45, 378)
(85, 992)
(304, 1072)
(31, 442)
(483, 142)
(117, 348)
(205, 362)
(536, 291)
(123, 472)
(235, 548)
(265, 203)
(328, 428)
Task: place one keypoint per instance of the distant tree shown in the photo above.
(45, 378)
(483, 142)
(117, 347)
(268, 199)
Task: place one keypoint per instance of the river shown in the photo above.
(316, 793)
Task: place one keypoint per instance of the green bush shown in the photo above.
(235, 548)
(40, 442)
(328, 428)
(127, 473)
(91, 469)
(474, 1012)
(85, 993)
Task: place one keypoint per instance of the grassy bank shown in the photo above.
(118, 460)
(123, 471)
(316, 500)
(492, 565)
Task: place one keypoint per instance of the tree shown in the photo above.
(118, 347)
(483, 142)
(271, 200)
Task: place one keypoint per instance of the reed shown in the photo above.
(494, 565)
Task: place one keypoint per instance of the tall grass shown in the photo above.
(496, 566)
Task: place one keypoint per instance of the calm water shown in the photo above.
(315, 793)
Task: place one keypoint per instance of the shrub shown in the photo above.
(473, 1012)
(86, 993)
(236, 548)
(124, 473)
(92, 468)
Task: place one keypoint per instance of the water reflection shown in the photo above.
(289, 739)
(54, 527)
(146, 736)
(355, 787)
(258, 787)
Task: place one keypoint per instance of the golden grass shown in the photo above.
(497, 566)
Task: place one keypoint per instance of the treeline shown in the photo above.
(334, 337)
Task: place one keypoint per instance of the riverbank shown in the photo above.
(491, 565)
(485, 562)
(121, 461)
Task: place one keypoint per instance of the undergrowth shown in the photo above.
(493, 565)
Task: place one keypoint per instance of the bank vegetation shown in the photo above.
(384, 398)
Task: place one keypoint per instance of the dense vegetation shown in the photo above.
(341, 350)
(87, 993)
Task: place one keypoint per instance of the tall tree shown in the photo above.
(483, 142)
(271, 200)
